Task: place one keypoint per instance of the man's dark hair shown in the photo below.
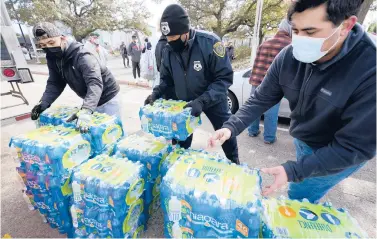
(337, 10)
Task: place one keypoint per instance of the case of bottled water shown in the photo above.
(47, 157)
(196, 153)
(168, 119)
(108, 198)
(104, 129)
(204, 198)
(145, 148)
(282, 218)
(151, 152)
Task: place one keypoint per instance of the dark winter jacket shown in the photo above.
(123, 50)
(333, 106)
(134, 51)
(159, 49)
(230, 52)
(202, 70)
(85, 76)
(147, 46)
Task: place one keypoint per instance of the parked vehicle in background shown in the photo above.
(40, 52)
(14, 68)
(239, 92)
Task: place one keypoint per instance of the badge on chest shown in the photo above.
(197, 65)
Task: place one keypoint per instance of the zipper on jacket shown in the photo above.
(306, 83)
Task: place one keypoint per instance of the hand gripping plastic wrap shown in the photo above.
(151, 152)
(104, 132)
(181, 152)
(47, 157)
(204, 198)
(168, 119)
(282, 218)
(107, 198)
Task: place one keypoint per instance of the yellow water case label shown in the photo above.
(223, 180)
(143, 142)
(296, 219)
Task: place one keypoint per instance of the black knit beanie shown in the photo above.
(174, 21)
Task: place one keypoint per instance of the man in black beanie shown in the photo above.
(194, 66)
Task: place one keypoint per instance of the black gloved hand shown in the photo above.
(38, 109)
(196, 107)
(150, 99)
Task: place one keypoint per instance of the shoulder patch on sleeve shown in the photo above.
(219, 49)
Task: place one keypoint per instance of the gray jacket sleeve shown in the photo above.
(91, 72)
(268, 94)
(55, 85)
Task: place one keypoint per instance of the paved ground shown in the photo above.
(357, 193)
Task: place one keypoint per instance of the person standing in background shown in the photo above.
(266, 54)
(135, 52)
(93, 45)
(124, 53)
(147, 45)
(230, 51)
(148, 63)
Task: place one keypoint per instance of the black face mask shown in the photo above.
(55, 51)
(178, 45)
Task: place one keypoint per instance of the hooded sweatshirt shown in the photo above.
(333, 106)
(85, 75)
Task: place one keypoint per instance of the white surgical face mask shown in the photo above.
(308, 49)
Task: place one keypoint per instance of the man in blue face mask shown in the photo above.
(328, 75)
(195, 68)
(70, 63)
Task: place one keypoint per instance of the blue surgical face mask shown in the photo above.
(308, 49)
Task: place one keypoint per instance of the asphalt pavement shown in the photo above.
(357, 193)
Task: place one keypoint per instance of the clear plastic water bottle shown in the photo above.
(75, 222)
(174, 209)
(76, 188)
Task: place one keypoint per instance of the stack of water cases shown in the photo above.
(204, 198)
(284, 218)
(107, 198)
(104, 130)
(151, 152)
(188, 153)
(47, 157)
(168, 119)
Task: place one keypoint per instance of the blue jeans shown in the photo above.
(112, 107)
(315, 188)
(270, 123)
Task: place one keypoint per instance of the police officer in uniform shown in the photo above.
(196, 68)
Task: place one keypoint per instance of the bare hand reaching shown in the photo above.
(219, 137)
(280, 180)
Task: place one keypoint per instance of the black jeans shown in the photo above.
(124, 60)
(218, 114)
(136, 66)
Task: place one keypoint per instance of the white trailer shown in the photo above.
(14, 68)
